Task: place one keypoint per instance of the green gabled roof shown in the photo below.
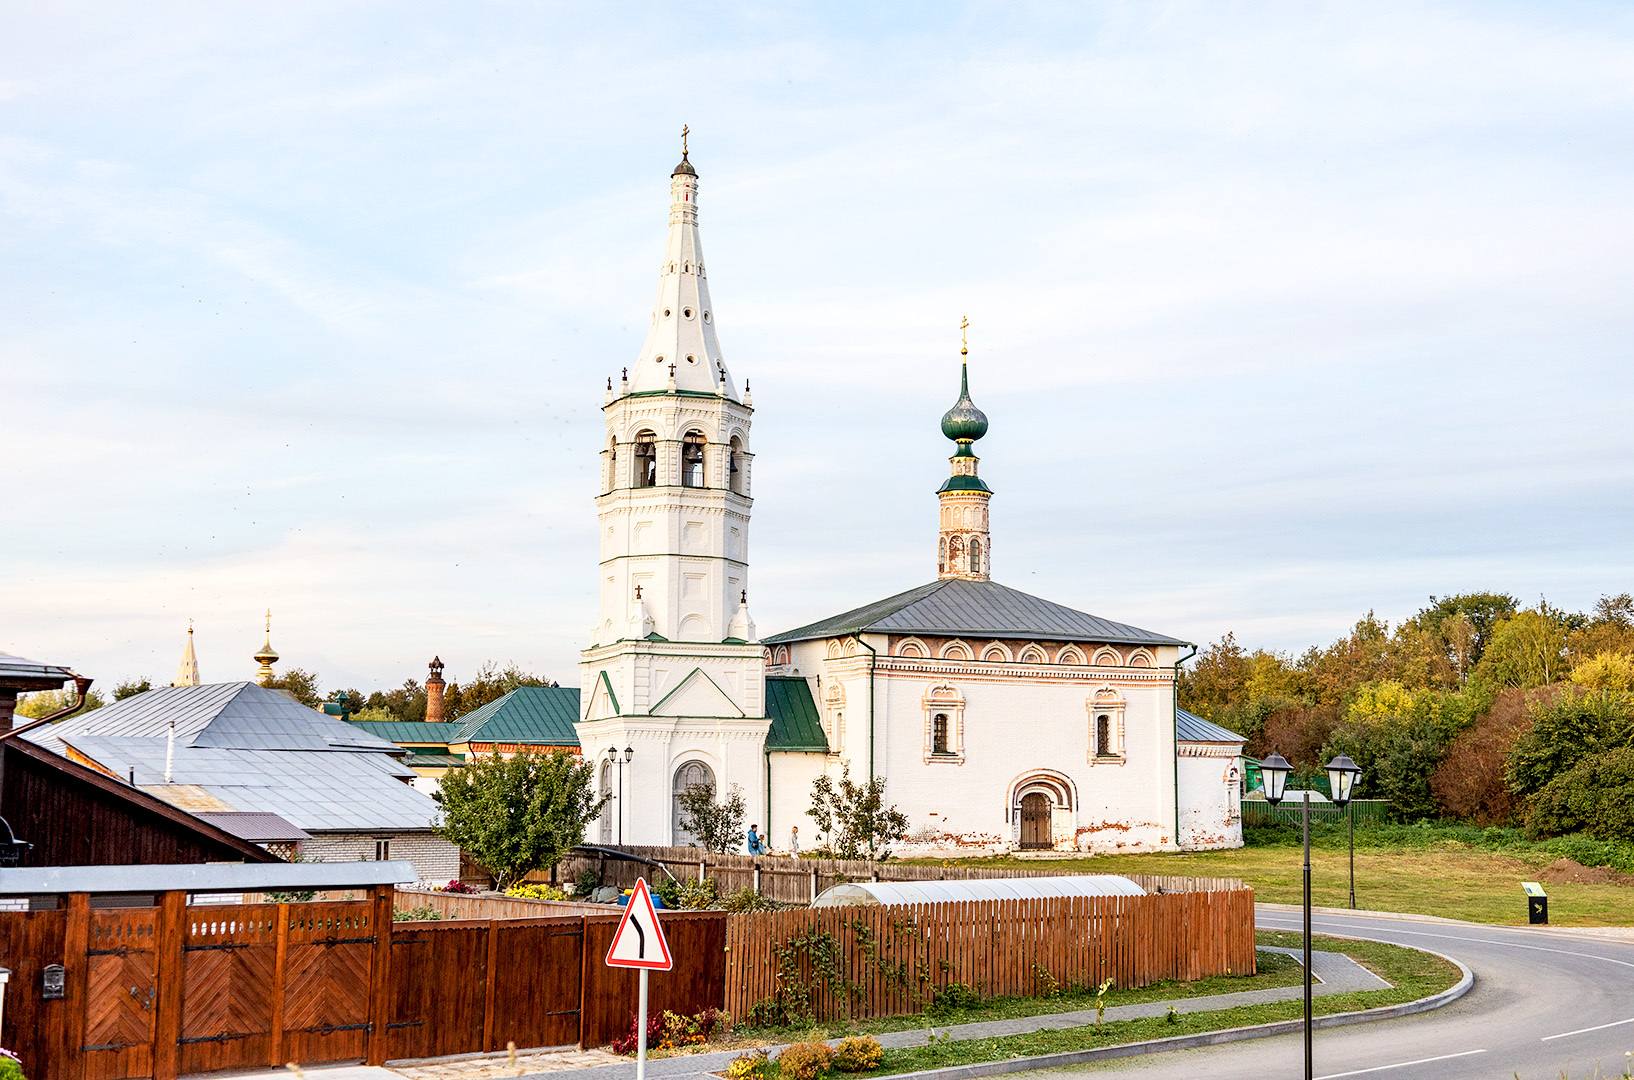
(959, 607)
(528, 715)
(407, 731)
(796, 725)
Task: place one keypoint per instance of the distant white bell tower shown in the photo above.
(672, 669)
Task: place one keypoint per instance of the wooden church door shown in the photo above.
(1035, 820)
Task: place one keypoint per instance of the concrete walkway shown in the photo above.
(1338, 974)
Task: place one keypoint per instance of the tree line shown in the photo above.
(1474, 708)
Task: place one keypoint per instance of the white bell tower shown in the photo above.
(673, 670)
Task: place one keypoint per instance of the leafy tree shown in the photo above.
(1609, 629)
(301, 683)
(1398, 737)
(854, 816)
(407, 702)
(1567, 726)
(1470, 782)
(1527, 650)
(43, 703)
(1362, 656)
(1460, 627)
(132, 687)
(1606, 671)
(1216, 678)
(717, 825)
(518, 814)
(1595, 796)
(490, 684)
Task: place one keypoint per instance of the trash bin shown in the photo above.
(1537, 903)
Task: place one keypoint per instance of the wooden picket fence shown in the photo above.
(891, 960)
(799, 881)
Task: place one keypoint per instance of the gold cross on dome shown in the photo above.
(964, 343)
(684, 131)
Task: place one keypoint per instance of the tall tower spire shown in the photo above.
(266, 657)
(187, 672)
(964, 548)
(681, 331)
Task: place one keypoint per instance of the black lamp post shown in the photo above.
(612, 755)
(1275, 770)
(1342, 776)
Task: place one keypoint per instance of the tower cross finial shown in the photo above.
(269, 620)
(964, 341)
(684, 132)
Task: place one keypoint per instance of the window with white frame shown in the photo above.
(1106, 727)
(944, 725)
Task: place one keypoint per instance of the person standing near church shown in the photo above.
(794, 841)
(756, 845)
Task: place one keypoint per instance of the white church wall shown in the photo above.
(792, 777)
(1210, 794)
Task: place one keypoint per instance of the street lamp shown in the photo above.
(1275, 770)
(1342, 776)
(612, 755)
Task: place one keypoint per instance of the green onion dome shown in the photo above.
(964, 423)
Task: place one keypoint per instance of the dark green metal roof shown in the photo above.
(957, 607)
(796, 725)
(529, 715)
(407, 731)
(964, 483)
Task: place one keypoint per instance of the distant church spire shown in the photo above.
(681, 352)
(266, 657)
(964, 545)
(187, 672)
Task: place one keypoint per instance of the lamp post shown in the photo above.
(612, 755)
(1275, 770)
(1342, 776)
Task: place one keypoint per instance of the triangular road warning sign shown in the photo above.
(639, 940)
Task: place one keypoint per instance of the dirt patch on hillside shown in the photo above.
(1567, 871)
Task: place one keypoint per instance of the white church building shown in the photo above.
(999, 720)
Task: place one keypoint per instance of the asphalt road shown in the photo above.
(1544, 1005)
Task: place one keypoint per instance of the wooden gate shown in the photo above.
(327, 975)
(1035, 820)
(122, 991)
(229, 960)
(541, 1007)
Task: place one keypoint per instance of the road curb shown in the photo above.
(1205, 1038)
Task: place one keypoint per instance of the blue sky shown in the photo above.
(1279, 312)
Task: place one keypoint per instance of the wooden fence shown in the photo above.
(894, 958)
(177, 988)
(798, 881)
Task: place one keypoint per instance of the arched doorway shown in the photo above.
(1036, 813)
(688, 775)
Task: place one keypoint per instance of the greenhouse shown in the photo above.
(884, 893)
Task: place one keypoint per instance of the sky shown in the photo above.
(1280, 313)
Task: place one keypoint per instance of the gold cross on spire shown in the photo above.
(964, 342)
(684, 131)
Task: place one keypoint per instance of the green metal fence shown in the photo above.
(1258, 812)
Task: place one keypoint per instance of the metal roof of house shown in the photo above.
(204, 878)
(255, 827)
(236, 715)
(408, 731)
(1193, 728)
(956, 607)
(19, 669)
(796, 725)
(317, 790)
(528, 715)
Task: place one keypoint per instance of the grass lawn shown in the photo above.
(1447, 878)
(1414, 975)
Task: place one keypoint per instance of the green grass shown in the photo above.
(1414, 975)
(1275, 969)
(1459, 872)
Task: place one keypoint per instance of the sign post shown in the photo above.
(639, 943)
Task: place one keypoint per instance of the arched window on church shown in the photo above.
(612, 463)
(941, 556)
(1103, 736)
(646, 460)
(734, 465)
(692, 459)
(692, 774)
(938, 734)
(975, 556)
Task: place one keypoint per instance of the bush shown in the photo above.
(805, 1061)
(688, 893)
(457, 886)
(860, 1053)
(755, 1065)
(586, 883)
(1596, 796)
(747, 899)
(423, 913)
(1469, 783)
(11, 1066)
(629, 1043)
(952, 996)
(1568, 725)
(536, 892)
